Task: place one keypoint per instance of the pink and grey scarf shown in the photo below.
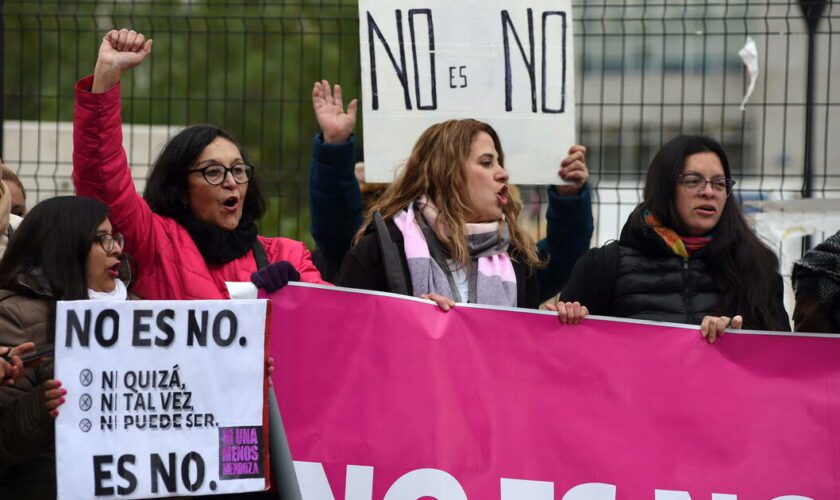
(491, 278)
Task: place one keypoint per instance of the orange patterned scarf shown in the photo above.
(684, 246)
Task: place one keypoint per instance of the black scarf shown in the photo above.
(217, 245)
(823, 263)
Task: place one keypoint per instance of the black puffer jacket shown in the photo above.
(639, 277)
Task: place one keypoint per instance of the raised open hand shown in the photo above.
(120, 50)
(336, 123)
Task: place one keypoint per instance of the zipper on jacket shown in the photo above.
(686, 269)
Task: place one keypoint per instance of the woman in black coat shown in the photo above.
(686, 253)
(447, 228)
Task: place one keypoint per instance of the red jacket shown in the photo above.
(169, 265)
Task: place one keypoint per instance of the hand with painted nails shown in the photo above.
(444, 303)
(569, 313)
(574, 171)
(713, 327)
(53, 396)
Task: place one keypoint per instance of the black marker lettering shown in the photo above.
(398, 67)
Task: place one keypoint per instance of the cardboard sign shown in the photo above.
(164, 398)
(509, 64)
(386, 397)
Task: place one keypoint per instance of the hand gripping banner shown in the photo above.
(387, 397)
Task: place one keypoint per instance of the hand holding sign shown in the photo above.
(335, 123)
(53, 396)
(573, 170)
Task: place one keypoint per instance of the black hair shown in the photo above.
(54, 239)
(744, 268)
(167, 190)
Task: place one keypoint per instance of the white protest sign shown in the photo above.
(510, 64)
(164, 398)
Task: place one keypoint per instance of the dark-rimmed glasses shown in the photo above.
(107, 241)
(215, 174)
(696, 183)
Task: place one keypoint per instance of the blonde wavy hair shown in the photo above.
(437, 168)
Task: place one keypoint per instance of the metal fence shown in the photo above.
(645, 71)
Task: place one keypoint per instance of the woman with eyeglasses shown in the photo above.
(194, 229)
(65, 249)
(686, 253)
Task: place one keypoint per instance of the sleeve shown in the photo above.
(781, 320)
(15, 330)
(335, 199)
(584, 286)
(569, 231)
(533, 297)
(308, 272)
(26, 427)
(101, 171)
(809, 313)
(363, 268)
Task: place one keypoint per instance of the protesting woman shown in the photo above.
(65, 249)
(196, 228)
(447, 228)
(686, 253)
(337, 200)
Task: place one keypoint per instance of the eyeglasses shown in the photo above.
(108, 240)
(696, 183)
(215, 174)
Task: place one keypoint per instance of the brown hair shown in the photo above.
(9, 175)
(429, 171)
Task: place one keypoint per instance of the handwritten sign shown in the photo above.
(164, 398)
(509, 64)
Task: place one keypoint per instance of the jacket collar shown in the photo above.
(35, 281)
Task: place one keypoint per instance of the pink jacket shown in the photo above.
(169, 265)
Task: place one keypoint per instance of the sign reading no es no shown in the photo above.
(508, 64)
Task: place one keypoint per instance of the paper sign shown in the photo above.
(164, 398)
(509, 64)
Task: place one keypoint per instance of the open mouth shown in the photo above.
(114, 271)
(231, 203)
(502, 196)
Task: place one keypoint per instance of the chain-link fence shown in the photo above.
(645, 70)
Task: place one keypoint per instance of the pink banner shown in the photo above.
(389, 398)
